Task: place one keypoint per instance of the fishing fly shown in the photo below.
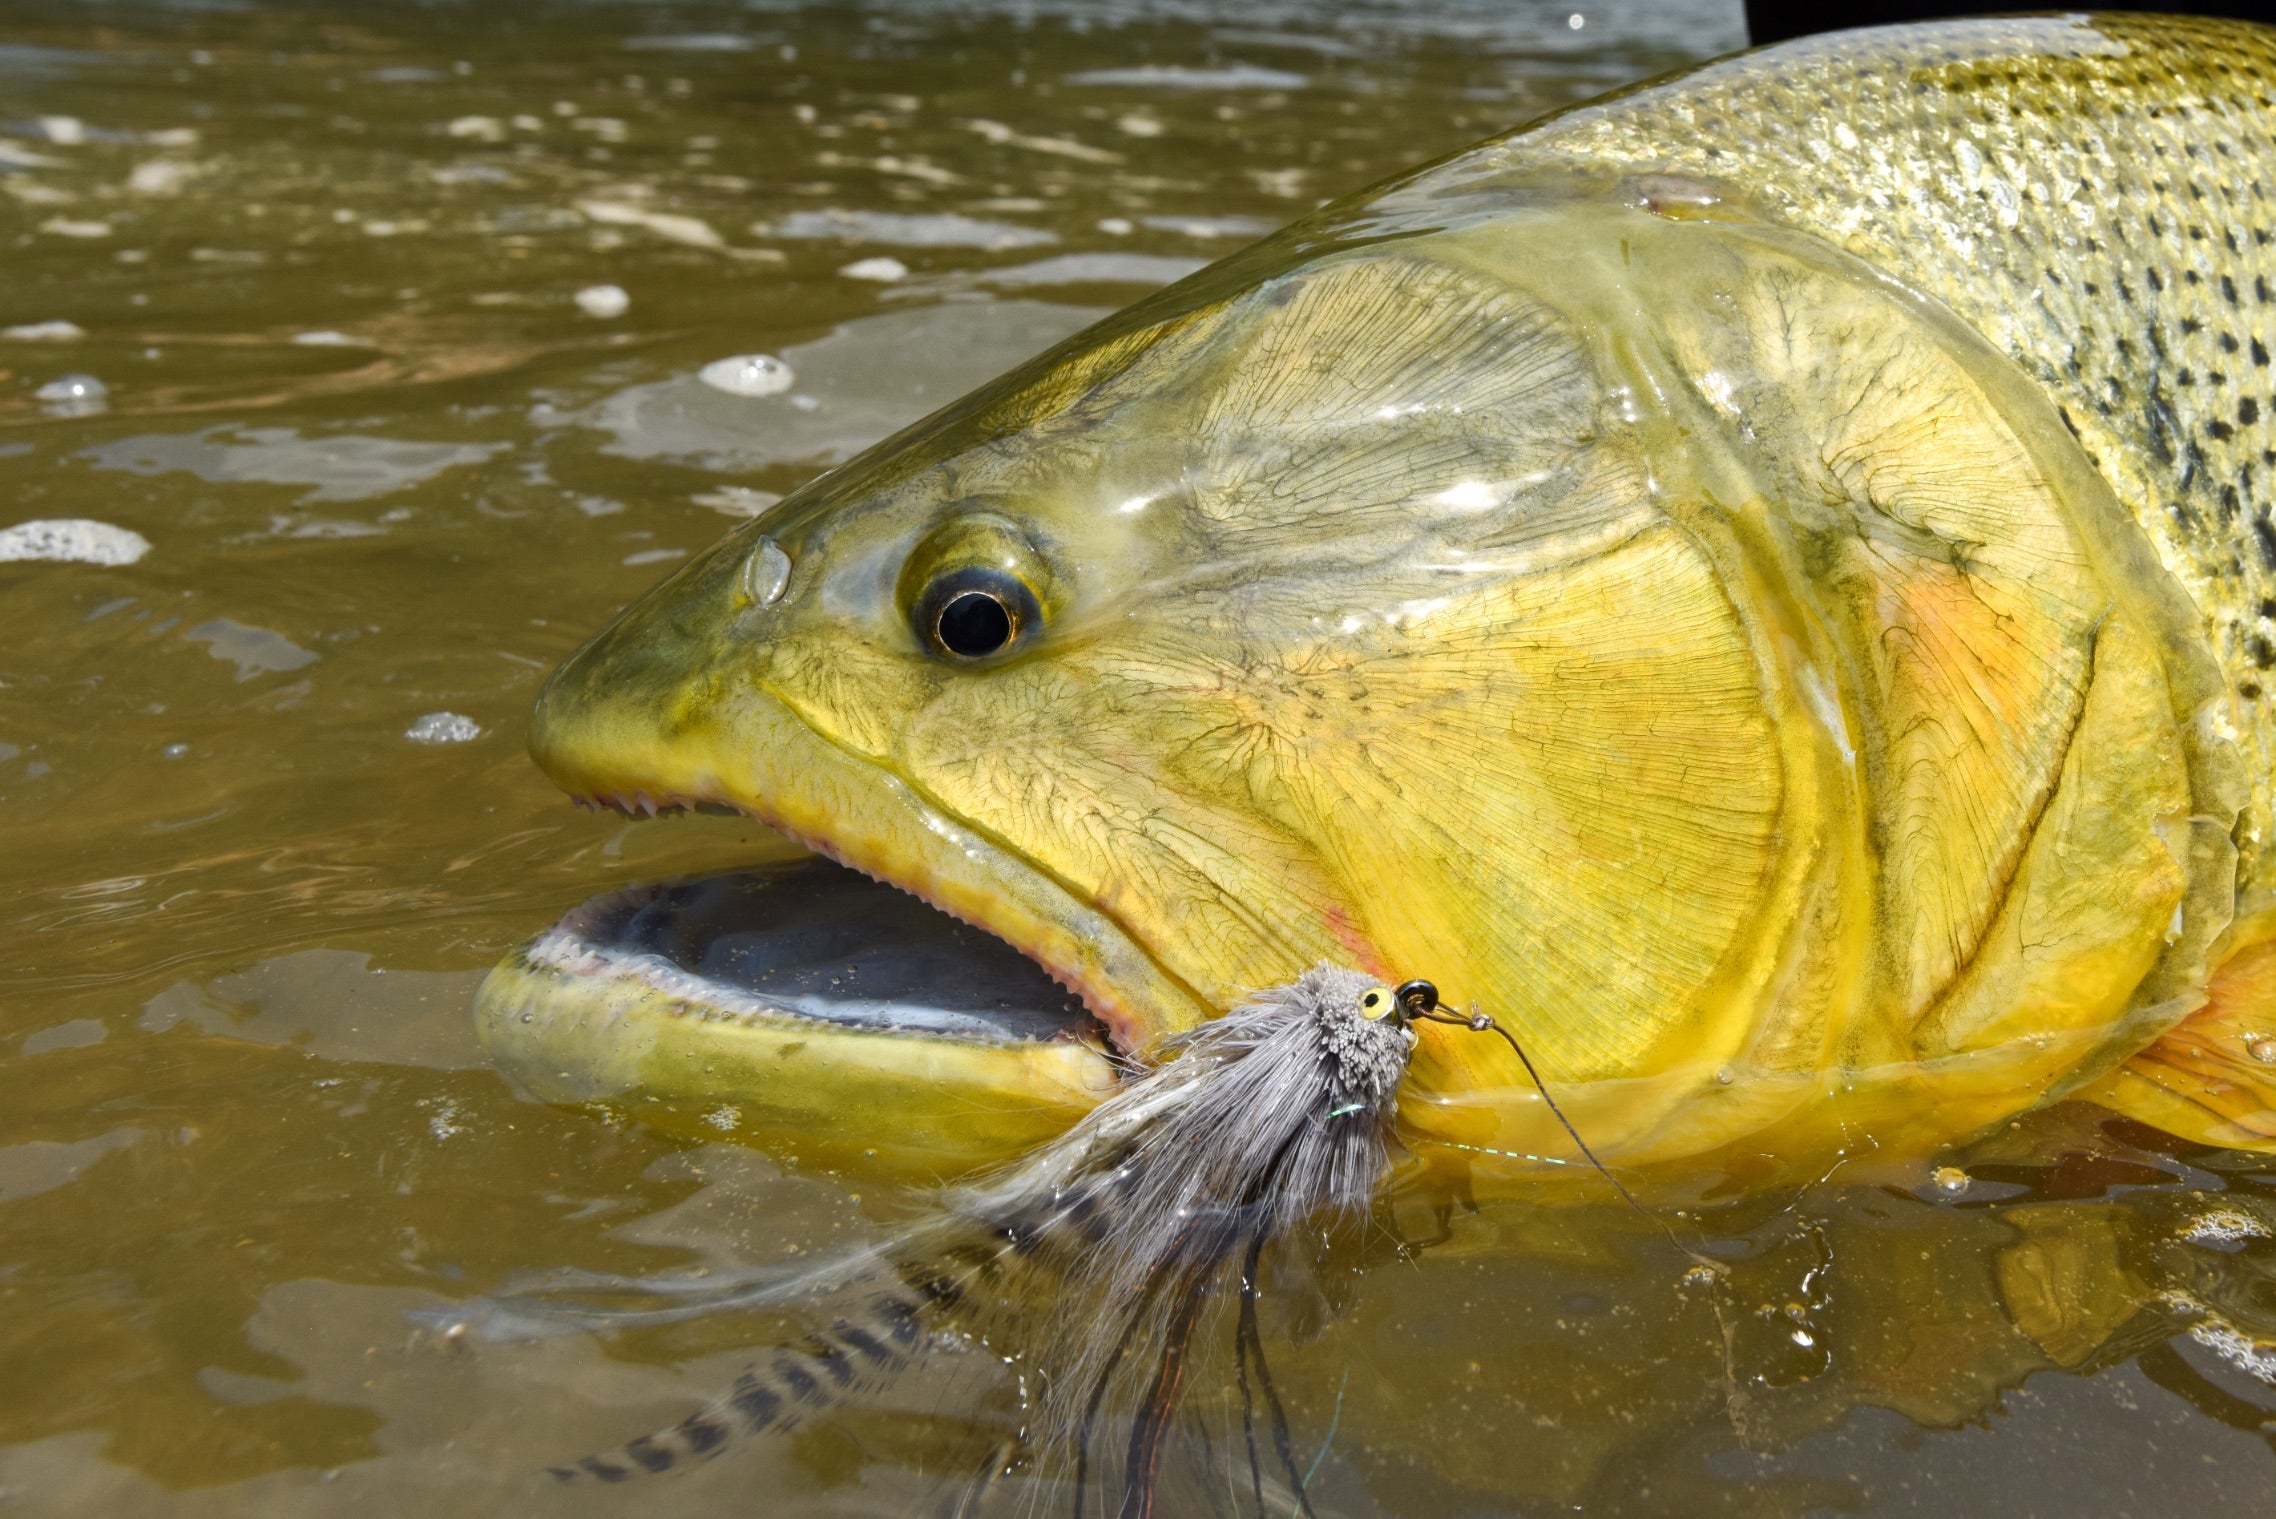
(1138, 1229)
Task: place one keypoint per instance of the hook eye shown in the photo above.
(1418, 998)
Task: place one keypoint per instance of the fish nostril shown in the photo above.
(766, 573)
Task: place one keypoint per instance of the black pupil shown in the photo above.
(974, 623)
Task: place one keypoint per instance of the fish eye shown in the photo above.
(976, 611)
(974, 587)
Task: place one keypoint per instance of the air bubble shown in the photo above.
(74, 395)
(884, 271)
(748, 374)
(603, 301)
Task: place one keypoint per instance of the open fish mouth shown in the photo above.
(811, 940)
(797, 1000)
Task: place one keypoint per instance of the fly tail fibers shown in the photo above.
(857, 1352)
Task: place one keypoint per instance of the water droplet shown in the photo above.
(883, 270)
(74, 395)
(748, 374)
(2262, 1050)
(765, 573)
(603, 301)
(1950, 1180)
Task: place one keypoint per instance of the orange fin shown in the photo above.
(2212, 1076)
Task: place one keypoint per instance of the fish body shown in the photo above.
(1762, 582)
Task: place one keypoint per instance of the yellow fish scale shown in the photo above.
(2091, 195)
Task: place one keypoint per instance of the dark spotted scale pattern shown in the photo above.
(2097, 196)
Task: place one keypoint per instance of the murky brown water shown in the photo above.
(326, 265)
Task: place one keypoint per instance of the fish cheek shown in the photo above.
(1073, 760)
(2012, 824)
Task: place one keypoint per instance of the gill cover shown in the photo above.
(1705, 654)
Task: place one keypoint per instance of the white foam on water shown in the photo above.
(692, 231)
(44, 332)
(443, 728)
(75, 540)
(603, 301)
(1174, 76)
(748, 374)
(160, 176)
(905, 229)
(2251, 1356)
(2225, 1226)
(885, 271)
(73, 395)
(691, 42)
(24, 158)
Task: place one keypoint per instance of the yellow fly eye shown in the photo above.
(970, 588)
(1377, 1002)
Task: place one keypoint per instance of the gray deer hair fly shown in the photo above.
(1102, 1253)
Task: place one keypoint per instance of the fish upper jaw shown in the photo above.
(757, 756)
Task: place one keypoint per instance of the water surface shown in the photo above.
(384, 327)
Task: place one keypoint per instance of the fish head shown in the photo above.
(1663, 632)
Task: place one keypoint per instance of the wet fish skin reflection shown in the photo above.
(1717, 604)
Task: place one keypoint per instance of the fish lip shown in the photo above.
(927, 851)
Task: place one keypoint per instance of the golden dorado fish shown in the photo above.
(1764, 583)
